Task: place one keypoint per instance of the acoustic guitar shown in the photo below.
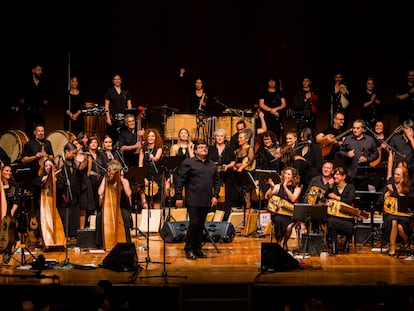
(378, 160)
(326, 148)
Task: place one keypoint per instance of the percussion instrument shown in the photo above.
(341, 209)
(13, 142)
(95, 125)
(59, 139)
(179, 121)
(277, 205)
(229, 123)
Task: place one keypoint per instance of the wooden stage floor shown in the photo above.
(230, 278)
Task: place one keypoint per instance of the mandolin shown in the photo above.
(326, 148)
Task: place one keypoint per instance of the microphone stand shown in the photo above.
(380, 140)
(66, 262)
(121, 157)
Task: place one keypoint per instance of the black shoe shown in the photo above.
(346, 248)
(190, 255)
(200, 254)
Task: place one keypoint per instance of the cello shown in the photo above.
(51, 225)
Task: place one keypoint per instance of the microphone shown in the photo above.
(144, 143)
(100, 149)
(116, 145)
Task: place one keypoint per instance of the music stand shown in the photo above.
(136, 176)
(306, 212)
(371, 197)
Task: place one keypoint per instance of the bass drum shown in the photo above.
(229, 124)
(59, 139)
(13, 142)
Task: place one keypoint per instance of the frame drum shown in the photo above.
(177, 122)
(95, 126)
(13, 142)
(59, 139)
(229, 124)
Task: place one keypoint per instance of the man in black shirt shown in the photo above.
(201, 180)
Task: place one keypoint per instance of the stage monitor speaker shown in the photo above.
(275, 259)
(123, 257)
(174, 231)
(219, 231)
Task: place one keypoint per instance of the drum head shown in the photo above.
(13, 142)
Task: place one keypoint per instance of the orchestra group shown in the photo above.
(56, 188)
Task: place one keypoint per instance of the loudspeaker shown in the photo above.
(86, 238)
(222, 232)
(121, 258)
(275, 259)
(175, 231)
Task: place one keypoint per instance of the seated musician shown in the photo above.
(315, 193)
(106, 234)
(289, 190)
(340, 191)
(397, 224)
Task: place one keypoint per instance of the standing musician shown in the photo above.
(288, 190)
(358, 150)
(244, 167)
(35, 152)
(222, 154)
(117, 100)
(130, 141)
(199, 100)
(271, 102)
(397, 224)
(340, 191)
(9, 209)
(150, 157)
(329, 140)
(68, 189)
(113, 220)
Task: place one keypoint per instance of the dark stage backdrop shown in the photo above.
(233, 45)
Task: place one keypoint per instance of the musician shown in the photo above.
(73, 120)
(288, 189)
(184, 147)
(199, 99)
(222, 154)
(308, 149)
(111, 180)
(395, 226)
(35, 152)
(244, 167)
(150, 157)
(10, 201)
(271, 102)
(403, 143)
(108, 152)
(306, 104)
(358, 150)
(370, 103)
(130, 142)
(340, 97)
(317, 187)
(330, 140)
(341, 191)
(117, 100)
(68, 189)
